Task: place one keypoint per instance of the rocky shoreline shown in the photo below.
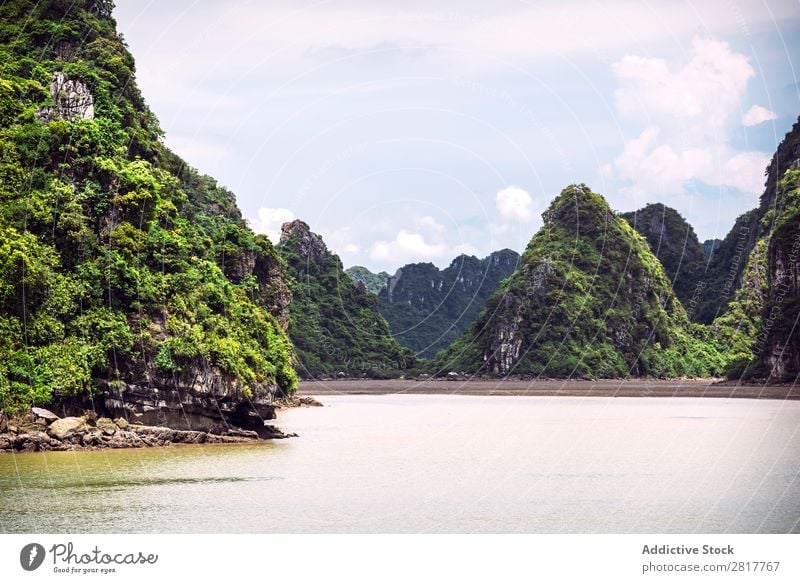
(43, 430)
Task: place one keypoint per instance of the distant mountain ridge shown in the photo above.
(374, 282)
(427, 308)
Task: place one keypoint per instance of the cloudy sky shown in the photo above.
(403, 132)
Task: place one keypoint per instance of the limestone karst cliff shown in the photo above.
(335, 323)
(128, 281)
(588, 299)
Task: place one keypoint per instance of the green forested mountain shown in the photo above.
(675, 244)
(428, 308)
(335, 323)
(589, 299)
(122, 270)
(374, 282)
(723, 274)
(761, 326)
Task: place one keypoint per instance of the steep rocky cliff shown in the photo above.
(780, 355)
(759, 327)
(128, 281)
(588, 299)
(335, 323)
(428, 308)
(778, 342)
(716, 286)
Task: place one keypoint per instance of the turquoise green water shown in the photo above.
(440, 464)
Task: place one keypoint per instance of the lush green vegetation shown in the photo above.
(675, 244)
(736, 329)
(117, 261)
(335, 324)
(723, 274)
(758, 329)
(374, 282)
(779, 354)
(427, 309)
(589, 299)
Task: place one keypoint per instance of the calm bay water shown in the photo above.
(427, 463)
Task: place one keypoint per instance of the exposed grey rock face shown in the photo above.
(199, 399)
(268, 271)
(506, 343)
(273, 288)
(782, 354)
(308, 245)
(780, 227)
(72, 99)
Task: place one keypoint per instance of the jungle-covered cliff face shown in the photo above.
(675, 244)
(428, 308)
(776, 343)
(335, 323)
(731, 257)
(717, 284)
(757, 329)
(589, 299)
(780, 355)
(122, 270)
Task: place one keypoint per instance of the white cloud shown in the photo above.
(688, 113)
(514, 204)
(407, 247)
(269, 221)
(748, 169)
(702, 94)
(655, 167)
(757, 114)
(211, 35)
(429, 223)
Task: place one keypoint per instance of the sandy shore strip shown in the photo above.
(552, 388)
